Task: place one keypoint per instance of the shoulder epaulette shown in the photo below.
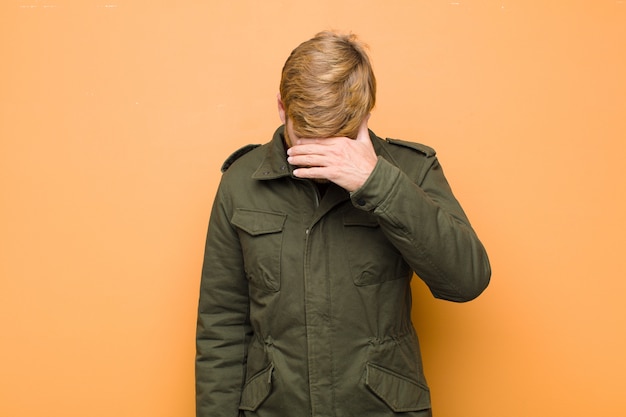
(236, 155)
(426, 150)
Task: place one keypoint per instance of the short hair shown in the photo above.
(328, 86)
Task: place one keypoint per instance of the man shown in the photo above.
(305, 300)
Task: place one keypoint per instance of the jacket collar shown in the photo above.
(274, 164)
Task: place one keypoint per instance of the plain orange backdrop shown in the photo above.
(115, 117)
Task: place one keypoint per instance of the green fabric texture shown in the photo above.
(305, 299)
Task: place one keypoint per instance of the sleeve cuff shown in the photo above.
(377, 186)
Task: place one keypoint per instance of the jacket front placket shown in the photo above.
(316, 274)
(318, 303)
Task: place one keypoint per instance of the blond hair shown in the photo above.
(328, 86)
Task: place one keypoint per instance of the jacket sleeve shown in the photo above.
(421, 217)
(223, 328)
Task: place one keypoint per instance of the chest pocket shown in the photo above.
(261, 237)
(372, 258)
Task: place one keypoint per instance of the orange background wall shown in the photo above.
(115, 117)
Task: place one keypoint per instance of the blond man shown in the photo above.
(314, 237)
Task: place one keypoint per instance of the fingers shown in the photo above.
(306, 160)
(314, 141)
(304, 155)
(312, 172)
(309, 147)
(324, 152)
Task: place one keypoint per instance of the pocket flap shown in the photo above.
(400, 393)
(359, 218)
(256, 222)
(257, 389)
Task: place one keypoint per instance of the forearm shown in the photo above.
(423, 220)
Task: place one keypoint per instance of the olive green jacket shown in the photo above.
(305, 301)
